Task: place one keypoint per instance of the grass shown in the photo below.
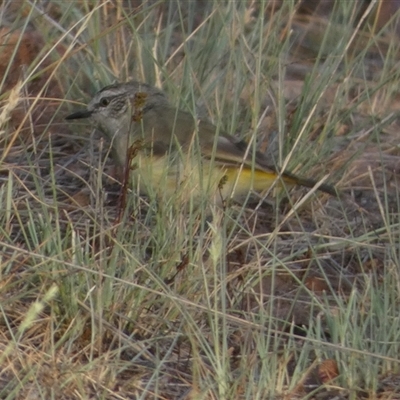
(280, 299)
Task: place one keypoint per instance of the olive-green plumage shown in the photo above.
(174, 151)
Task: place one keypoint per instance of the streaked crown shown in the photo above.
(113, 100)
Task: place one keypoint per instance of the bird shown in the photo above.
(169, 150)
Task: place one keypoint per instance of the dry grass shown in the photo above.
(282, 299)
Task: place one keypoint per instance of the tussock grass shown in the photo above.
(135, 299)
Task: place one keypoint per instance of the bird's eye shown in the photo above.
(104, 102)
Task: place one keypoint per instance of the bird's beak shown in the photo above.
(80, 114)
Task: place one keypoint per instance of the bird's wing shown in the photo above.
(176, 129)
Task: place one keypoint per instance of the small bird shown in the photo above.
(170, 150)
